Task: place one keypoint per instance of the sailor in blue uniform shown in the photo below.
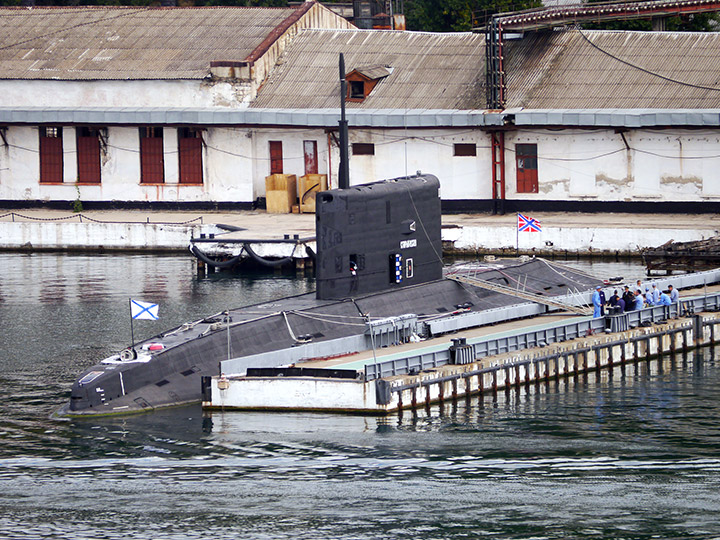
(597, 302)
(649, 296)
(638, 299)
(655, 294)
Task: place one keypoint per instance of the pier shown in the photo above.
(221, 235)
(473, 361)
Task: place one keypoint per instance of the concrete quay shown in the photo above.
(529, 356)
(137, 230)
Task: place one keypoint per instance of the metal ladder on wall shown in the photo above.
(504, 289)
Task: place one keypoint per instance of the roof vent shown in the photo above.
(363, 79)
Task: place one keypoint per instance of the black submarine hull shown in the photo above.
(379, 256)
(173, 376)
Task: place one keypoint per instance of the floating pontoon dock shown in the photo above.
(392, 378)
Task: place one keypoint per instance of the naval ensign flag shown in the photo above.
(144, 310)
(141, 310)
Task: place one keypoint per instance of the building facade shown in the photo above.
(196, 106)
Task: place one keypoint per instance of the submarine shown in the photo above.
(379, 257)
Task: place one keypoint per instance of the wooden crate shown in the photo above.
(280, 193)
(310, 185)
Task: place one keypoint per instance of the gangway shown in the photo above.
(540, 299)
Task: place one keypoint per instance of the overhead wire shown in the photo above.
(644, 70)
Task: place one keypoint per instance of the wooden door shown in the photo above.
(527, 173)
(88, 155)
(311, 157)
(276, 157)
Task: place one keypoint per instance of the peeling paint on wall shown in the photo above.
(548, 186)
(614, 184)
(682, 181)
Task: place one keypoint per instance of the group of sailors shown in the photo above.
(633, 300)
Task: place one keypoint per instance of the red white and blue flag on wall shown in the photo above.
(528, 224)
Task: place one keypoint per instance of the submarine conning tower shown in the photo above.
(378, 236)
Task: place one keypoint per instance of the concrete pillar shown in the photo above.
(172, 158)
(69, 142)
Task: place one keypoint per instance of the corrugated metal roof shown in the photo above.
(430, 71)
(326, 118)
(89, 43)
(637, 70)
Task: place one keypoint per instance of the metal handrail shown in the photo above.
(483, 347)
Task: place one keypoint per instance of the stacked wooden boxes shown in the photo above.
(280, 193)
(310, 185)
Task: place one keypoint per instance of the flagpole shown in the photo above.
(132, 330)
(517, 235)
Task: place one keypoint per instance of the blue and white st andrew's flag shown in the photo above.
(528, 224)
(144, 310)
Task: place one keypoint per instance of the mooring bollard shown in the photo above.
(698, 329)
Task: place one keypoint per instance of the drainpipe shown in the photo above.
(498, 171)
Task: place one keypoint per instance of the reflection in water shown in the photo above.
(632, 453)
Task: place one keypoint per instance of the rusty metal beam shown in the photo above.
(560, 16)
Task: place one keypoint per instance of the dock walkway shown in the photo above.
(138, 230)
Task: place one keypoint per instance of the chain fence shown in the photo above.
(84, 218)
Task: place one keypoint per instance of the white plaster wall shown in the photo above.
(20, 172)
(120, 170)
(64, 235)
(70, 169)
(674, 165)
(403, 152)
(228, 163)
(171, 163)
(594, 239)
(109, 94)
(669, 165)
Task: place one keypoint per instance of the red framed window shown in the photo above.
(311, 157)
(276, 157)
(152, 160)
(190, 152)
(527, 168)
(88, 155)
(51, 155)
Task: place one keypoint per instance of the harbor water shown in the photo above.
(629, 454)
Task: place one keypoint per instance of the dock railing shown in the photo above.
(483, 347)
